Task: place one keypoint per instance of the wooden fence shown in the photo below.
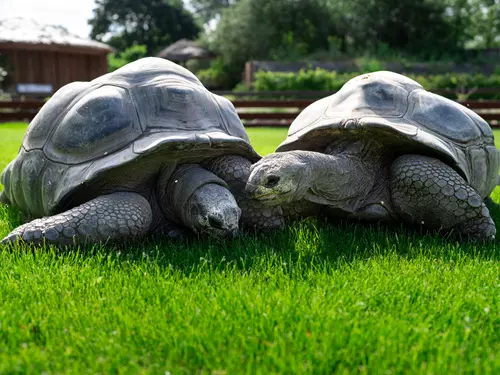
(253, 111)
(19, 110)
(263, 112)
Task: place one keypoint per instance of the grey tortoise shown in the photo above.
(144, 149)
(383, 148)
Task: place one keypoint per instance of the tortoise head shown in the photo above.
(199, 200)
(278, 178)
(213, 210)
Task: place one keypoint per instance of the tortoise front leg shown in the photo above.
(116, 216)
(235, 170)
(426, 191)
(301, 209)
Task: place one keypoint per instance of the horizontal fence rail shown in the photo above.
(255, 111)
(261, 112)
(321, 94)
(19, 110)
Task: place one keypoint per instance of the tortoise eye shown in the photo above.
(272, 181)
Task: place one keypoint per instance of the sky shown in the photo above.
(72, 14)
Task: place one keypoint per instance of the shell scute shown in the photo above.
(101, 122)
(442, 116)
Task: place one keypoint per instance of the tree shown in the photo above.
(420, 28)
(263, 29)
(484, 26)
(257, 29)
(153, 23)
(476, 22)
(260, 29)
(210, 9)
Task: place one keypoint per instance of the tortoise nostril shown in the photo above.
(272, 181)
(215, 222)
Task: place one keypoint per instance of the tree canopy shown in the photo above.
(420, 28)
(270, 29)
(242, 30)
(483, 26)
(210, 9)
(153, 23)
(253, 29)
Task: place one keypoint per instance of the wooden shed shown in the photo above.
(42, 58)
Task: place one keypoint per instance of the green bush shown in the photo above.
(307, 80)
(119, 59)
(219, 75)
(462, 84)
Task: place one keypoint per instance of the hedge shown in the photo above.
(318, 79)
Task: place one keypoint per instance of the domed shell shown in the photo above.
(405, 118)
(148, 107)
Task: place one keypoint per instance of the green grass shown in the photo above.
(317, 298)
(265, 140)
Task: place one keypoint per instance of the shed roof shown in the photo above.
(185, 49)
(29, 34)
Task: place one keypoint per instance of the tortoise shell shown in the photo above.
(151, 107)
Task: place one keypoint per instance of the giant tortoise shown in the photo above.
(146, 148)
(383, 148)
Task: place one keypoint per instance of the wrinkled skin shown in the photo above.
(279, 178)
(214, 211)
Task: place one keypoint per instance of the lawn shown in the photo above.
(315, 299)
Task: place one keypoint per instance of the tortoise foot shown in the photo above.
(116, 216)
(427, 192)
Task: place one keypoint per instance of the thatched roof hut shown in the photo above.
(184, 50)
(48, 55)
